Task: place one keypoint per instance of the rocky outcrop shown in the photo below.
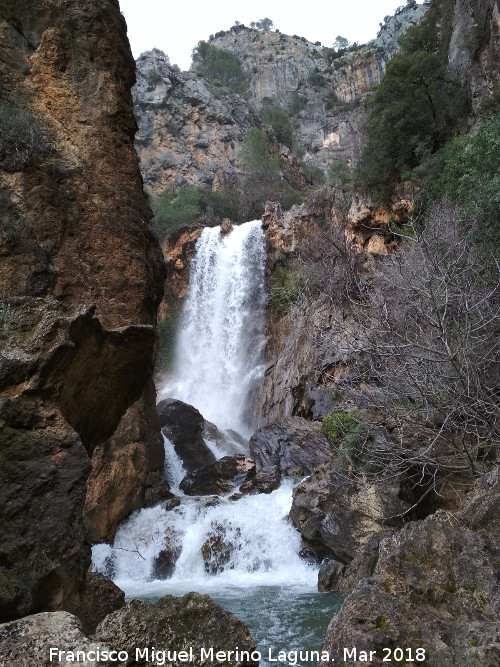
(474, 49)
(287, 69)
(76, 354)
(177, 624)
(183, 425)
(435, 586)
(296, 446)
(218, 478)
(343, 514)
(187, 136)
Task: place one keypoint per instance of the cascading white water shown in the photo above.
(261, 552)
(255, 569)
(221, 338)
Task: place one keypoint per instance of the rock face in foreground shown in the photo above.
(176, 624)
(27, 642)
(81, 276)
(435, 586)
(171, 624)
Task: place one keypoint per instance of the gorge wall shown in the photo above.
(286, 69)
(81, 276)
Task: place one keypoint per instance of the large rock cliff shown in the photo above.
(295, 73)
(81, 277)
(187, 136)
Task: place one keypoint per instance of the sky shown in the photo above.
(176, 26)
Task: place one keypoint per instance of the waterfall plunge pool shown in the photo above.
(264, 582)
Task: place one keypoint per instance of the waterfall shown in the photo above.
(242, 551)
(220, 345)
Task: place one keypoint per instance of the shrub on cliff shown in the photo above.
(466, 170)
(286, 285)
(349, 437)
(412, 112)
(23, 140)
(428, 342)
(256, 155)
(416, 108)
(278, 119)
(221, 65)
(191, 204)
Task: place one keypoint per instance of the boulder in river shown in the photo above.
(295, 445)
(177, 624)
(99, 597)
(342, 513)
(265, 480)
(183, 425)
(217, 550)
(218, 478)
(164, 563)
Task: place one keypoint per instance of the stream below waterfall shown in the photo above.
(256, 571)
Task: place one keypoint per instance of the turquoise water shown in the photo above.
(280, 618)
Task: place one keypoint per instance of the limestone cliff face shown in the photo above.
(474, 52)
(80, 278)
(306, 347)
(186, 135)
(280, 67)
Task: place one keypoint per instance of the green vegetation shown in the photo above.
(338, 424)
(256, 156)
(192, 204)
(153, 77)
(340, 173)
(263, 24)
(467, 170)
(278, 119)
(298, 103)
(313, 174)
(221, 66)
(349, 436)
(286, 286)
(416, 108)
(382, 624)
(23, 140)
(316, 79)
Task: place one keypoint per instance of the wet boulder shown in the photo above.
(218, 478)
(183, 425)
(295, 445)
(265, 480)
(164, 563)
(342, 514)
(177, 624)
(218, 549)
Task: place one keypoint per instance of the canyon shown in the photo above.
(84, 283)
